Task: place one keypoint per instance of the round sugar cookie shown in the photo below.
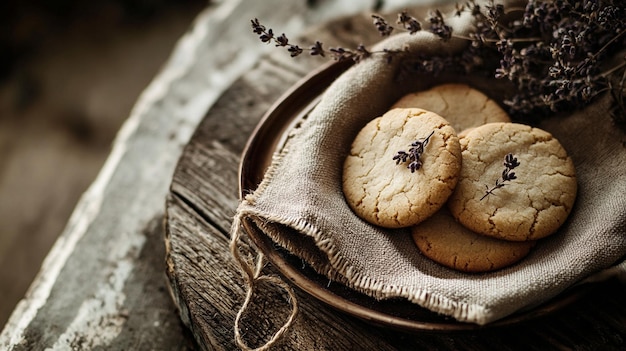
(530, 207)
(385, 191)
(463, 106)
(442, 239)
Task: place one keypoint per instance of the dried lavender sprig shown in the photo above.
(510, 162)
(267, 35)
(414, 153)
(409, 23)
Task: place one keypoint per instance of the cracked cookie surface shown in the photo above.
(530, 207)
(388, 194)
(442, 239)
(463, 106)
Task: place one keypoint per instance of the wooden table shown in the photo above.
(104, 285)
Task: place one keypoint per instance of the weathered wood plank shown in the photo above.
(209, 182)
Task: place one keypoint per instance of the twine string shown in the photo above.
(253, 277)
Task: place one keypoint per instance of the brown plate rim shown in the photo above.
(264, 140)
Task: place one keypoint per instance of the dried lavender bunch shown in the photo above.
(510, 162)
(414, 154)
(554, 52)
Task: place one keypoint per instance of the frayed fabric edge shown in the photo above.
(338, 269)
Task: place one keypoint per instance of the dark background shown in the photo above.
(70, 73)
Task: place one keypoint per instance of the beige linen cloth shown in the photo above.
(300, 204)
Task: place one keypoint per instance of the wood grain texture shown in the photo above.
(208, 289)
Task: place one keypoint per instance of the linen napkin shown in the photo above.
(300, 204)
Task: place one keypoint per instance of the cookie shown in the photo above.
(531, 206)
(463, 106)
(442, 239)
(385, 191)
